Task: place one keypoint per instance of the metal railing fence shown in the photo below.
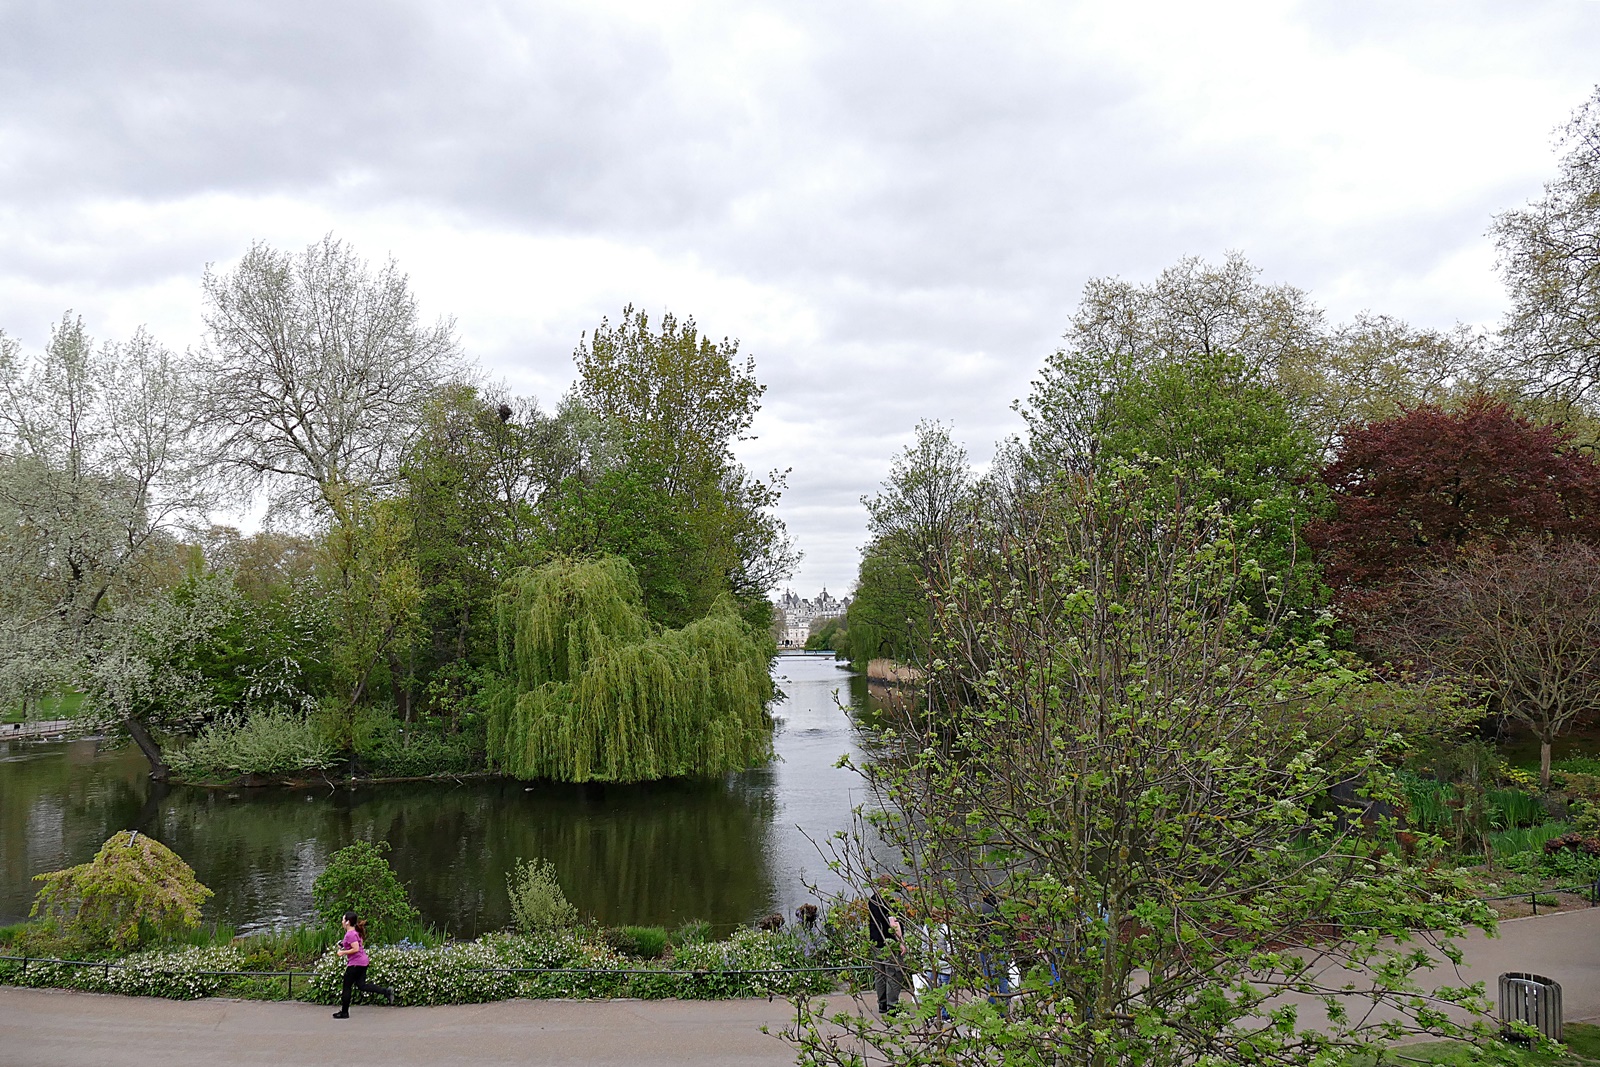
(107, 966)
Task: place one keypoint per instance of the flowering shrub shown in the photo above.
(174, 975)
(444, 975)
(468, 973)
(451, 975)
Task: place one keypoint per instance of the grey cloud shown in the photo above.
(933, 185)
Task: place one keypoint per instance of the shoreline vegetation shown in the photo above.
(129, 921)
(889, 672)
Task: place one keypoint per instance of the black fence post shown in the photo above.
(1533, 898)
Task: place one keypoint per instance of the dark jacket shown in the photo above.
(879, 920)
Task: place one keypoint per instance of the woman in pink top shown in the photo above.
(353, 950)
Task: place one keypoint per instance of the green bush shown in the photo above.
(268, 743)
(692, 932)
(358, 878)
(640, 942)
(389, 749)
(537, 902)
(290, 949)
(1577, 765)
(1585, 817)
(135, 890)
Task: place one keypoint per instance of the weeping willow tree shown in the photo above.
(595, 693)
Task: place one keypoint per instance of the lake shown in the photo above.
(726, 851)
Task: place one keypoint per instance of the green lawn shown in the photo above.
(1582, 1040)
(60, 706)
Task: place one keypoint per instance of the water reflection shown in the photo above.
(726, 851)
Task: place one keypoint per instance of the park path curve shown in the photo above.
(55, 1028)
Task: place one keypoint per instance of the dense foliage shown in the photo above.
(597, 692)
(359, 878)
(537, 903)
(472, 972)
(1114, 749)
(134, 890)
(1417, 489)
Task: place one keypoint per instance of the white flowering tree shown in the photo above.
(103, 461)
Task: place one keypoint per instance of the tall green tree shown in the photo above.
(1108, 794)
(914, 519)
(1208, 420)
(888, 613)
(473, 482)
(665, 490)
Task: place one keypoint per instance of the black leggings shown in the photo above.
(355, 977)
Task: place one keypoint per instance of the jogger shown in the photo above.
(353, 950)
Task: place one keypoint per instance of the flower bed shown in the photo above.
(179, 975)
(496, 967)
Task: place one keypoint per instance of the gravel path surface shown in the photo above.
(51, 1028)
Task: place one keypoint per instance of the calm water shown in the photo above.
(725, 851)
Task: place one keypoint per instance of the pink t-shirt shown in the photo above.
(358, 958)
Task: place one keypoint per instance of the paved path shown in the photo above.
(49, 1028)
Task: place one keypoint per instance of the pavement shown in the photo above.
(57, 1028)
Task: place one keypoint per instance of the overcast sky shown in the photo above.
(892, 206)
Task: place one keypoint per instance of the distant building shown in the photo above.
(799, 614)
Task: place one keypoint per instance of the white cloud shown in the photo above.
(893, 205)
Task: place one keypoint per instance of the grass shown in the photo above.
(275, 950)
(1512, 808)
(641, 942)
(1577, 765)
(60, 706)
(1582, 1041)
(1525, 838)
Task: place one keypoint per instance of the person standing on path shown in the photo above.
(888, 952)
(353, 950)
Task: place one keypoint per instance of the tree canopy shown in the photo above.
(595, 691)
(1550, 260)
(1417, 489)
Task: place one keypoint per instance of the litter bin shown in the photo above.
(1532, 999)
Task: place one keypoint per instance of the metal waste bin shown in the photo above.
(1532, 999)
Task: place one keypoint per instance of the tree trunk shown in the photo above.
(397, 686)
(1544, 764)
(151, 750)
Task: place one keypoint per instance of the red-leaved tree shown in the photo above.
(1411, 492)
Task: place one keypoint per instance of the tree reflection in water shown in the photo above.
(726, 851)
